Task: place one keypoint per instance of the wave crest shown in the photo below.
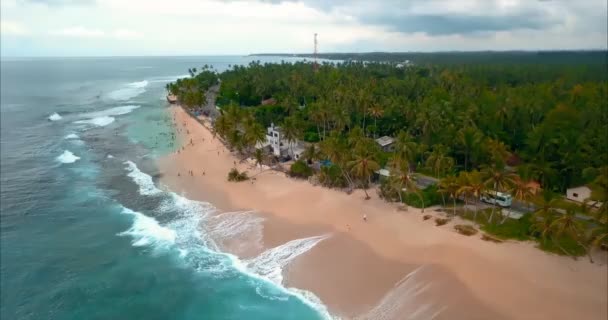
(67, 157)
(55, 117)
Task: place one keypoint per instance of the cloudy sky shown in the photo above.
(191, 27)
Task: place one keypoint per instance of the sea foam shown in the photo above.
(55, 117)
(130, 90)
(67, 157)
(72, 136)
(99, 121)
(185, 235)
(116, 111)
(147, 231)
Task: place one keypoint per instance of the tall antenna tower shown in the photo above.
(315, 65)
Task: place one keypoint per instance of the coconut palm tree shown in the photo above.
(568, 224)
(438, 160)
(311, 153)
(498, 180)
(470, 140)
(402, 179)
(521, 190)
(258, 155)
(405, 147)
(450, 186)
(363, 166)
(291, 131)
(376, 112)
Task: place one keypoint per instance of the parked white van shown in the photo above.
(499, 198)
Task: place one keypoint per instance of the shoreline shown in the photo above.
(357, 268)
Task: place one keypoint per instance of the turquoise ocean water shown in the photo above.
(87, 233)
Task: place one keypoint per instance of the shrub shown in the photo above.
(331, 176)
(311, 136)
(441, 221)
(486, 237)
(430, 196)
(465, 229)
(426, 217)
(300, 169)
(236, 176)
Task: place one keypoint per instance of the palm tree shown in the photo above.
(450, 186)
(291, 131)
(521, 190)
(470, 139)
(568, 224)
(405, 147)
(336, 151)
(498, 180)
(258, 155)
(363, 166)
(470, 184)
(376, 112)
(401, 179)
(254, 134)
(311, 153)
(438, 160)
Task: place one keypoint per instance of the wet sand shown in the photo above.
(361, 270)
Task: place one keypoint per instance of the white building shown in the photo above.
(578, 194)
(280, 147)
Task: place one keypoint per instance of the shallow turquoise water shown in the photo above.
(93, 237)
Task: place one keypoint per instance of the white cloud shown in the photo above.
(13, 28)
(78, 32)
(247, 26)
(125, 34)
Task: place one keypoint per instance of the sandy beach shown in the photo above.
(395, 265)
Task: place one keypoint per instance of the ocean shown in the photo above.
(86, 230)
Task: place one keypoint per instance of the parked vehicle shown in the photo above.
(497, 198)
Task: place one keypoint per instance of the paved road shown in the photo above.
(425, 181)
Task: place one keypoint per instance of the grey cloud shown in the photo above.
(457, 24)
(488, 16)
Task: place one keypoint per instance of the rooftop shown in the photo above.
(385, 141)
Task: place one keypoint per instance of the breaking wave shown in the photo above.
(67, 157)
(186, 234)
(99, 121)
(55, 117)
(130, 90)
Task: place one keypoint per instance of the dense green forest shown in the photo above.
(485, 126)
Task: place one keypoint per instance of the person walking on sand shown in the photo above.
(365, 217)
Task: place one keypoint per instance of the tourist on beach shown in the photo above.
(364, 217)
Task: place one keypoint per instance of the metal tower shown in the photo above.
(315, 65)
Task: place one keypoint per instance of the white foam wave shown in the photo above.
(67, 157)
(55, 117)
(403, 301)
(271, 262)
(72, 136)
(144, 181)
(99, 121)
(110, 156)
(169, 78)
(130, 90)
(147, 231)
(116, 111)
(183, 234)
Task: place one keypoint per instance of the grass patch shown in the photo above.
(465, 229)
(518, 229)
(426, 217)
(430, 196)
(486, 237)
(441, 221)
(558, 246)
